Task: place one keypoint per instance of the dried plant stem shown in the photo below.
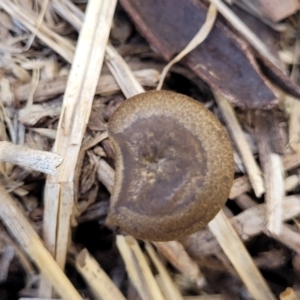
(251, 37)
(254, 173)
(30, 242)
(275, 195)
(122, 73)
(99, 282)
(106, 175)
(138, 269)
(50, 88)
(75, 113)
(239, 257)
(188, 267)
(169, 286)
(59, 44)
(37, 160)
(120, 70)
(200, 36)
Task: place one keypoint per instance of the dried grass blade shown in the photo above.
(138, 269)
(169, 285)
(197, 40)
(37, 160)
(253, 170)
(96, 278)
(75, 113)
(275, 195)
(239, 257)
(30, 242)
(59, 44)
(241, 27)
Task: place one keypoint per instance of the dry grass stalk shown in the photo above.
(242, 184)
(99, 282)
(37, 160)
(274, 194)
(165, 282)
(75, 113)
(247, 224)
(27, 18)
(122, 73)
(239, 257)
(172, 250)
(254, 173)
(46, 132)
(120, 70)
(30, 115)
(244, 30)
(30, 242)
(106, 175)
(200, 36)
(138, 269)
(47, 89)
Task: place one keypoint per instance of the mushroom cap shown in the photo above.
(174, 166)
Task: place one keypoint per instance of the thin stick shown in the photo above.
(75, 113)
(30, 242)
(275, 194)
(138, 269)
(122, 73)
(168, 283)
(188, 267)
(239, 257)
(254, 173)
(252, 38)
(37, 160)
(117, 66)
(200, 36)
(59, 44)
(99, 282)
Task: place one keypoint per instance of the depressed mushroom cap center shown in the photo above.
(158, 173)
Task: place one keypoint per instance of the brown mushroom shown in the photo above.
(174, 166)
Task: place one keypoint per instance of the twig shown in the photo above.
(59, 44)
(200, 36)
(276, 194)
(168, 284)
(242, 145)
(252, 38)
(189, 268)
(247, 224)
(80, 90)
(99, 282)
(138, 269)
(239, 257)
(30, 242)
(37, 160)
